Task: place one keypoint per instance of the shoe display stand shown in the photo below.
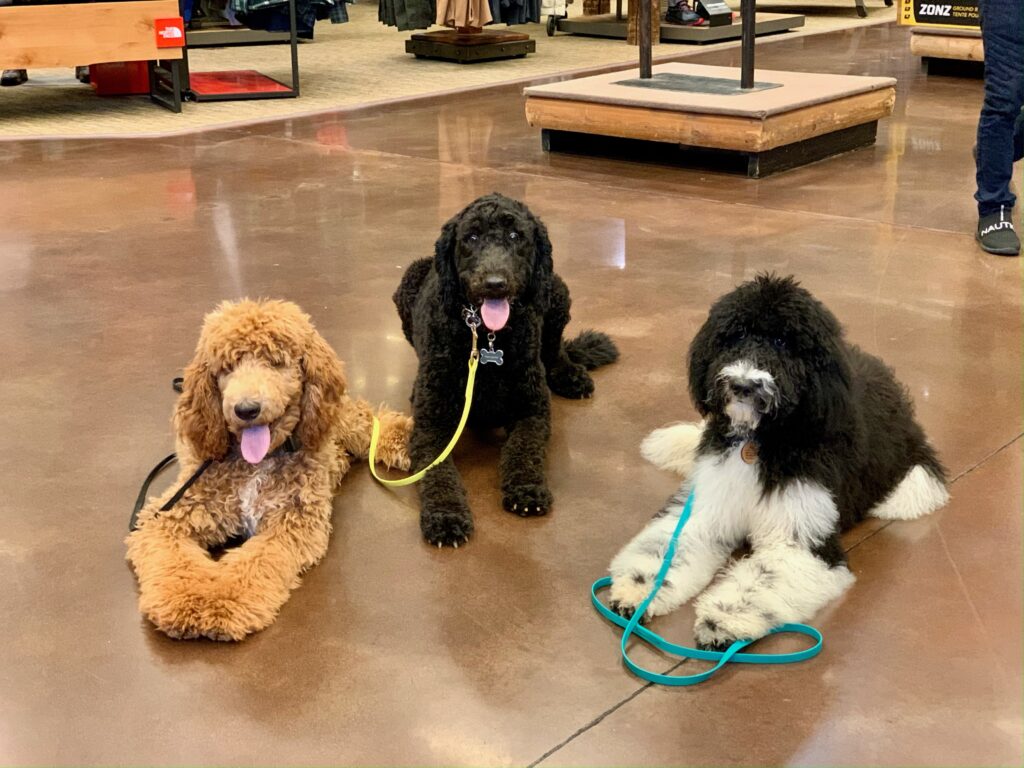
(946, 37)
(246, 84)
(956, 53)
(720, 117)
(616, 25)
(470, 46)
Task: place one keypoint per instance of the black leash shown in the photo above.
(140, 501)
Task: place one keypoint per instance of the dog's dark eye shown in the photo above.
(513, 235)
(472, 237)
(779, 343)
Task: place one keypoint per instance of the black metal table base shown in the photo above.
(291, 92)
(754, 165)
(166, 83)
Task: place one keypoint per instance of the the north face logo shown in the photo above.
(170, 33)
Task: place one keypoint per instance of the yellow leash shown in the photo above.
(474, 359)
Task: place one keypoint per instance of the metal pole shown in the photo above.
(294, 42)
(643, 20)
(747, 14)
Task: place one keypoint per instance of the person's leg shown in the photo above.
(1018, 138)
(1003, 35)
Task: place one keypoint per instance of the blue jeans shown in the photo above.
(999, 132)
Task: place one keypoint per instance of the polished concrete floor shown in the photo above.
(393, 652)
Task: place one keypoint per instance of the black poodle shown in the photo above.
(492, 260)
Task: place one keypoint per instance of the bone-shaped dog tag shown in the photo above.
(491, 356)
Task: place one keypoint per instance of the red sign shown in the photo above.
(170, 33)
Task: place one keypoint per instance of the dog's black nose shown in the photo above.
(247, 410)
(743, 389)
(495, 283)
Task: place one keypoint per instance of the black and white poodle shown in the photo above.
(803, 436)
(494, 259)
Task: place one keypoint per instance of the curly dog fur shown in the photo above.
(494, 250)
(250, 354)
(803, 436)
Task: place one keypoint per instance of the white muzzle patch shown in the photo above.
(750, 393)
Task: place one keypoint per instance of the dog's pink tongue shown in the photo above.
(255, 443)
(494, 313)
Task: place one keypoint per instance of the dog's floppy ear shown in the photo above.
(444, 263)
(826, 402)
(543, 267)
(197, 417)
(700, 358)
(322, 390)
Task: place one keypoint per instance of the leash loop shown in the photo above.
(473, 321)
(734, 653)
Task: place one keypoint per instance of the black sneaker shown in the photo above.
(997, 235)
(681, 13)
(13, 76)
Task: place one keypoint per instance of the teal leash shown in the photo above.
(732, 654)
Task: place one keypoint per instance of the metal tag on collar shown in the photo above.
(748, 452)
(491, 355)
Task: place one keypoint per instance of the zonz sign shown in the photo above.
(962, 14)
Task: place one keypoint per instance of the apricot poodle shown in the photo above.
(264, 408)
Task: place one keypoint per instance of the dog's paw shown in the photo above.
(446, 528)
(719, 623)
(527, 500)
(571, 381)
(627, 611)
(713, 646)
(393, 445)
(627, 593)
(193, 616)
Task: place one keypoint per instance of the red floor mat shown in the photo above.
(232, 82)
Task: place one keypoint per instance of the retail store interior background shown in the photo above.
(132, 206)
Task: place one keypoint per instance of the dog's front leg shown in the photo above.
(445, 518)
(778, 584)
(255, 579)
(174, 571)
(700, 552)
(523, 487)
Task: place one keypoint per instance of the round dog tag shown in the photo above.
(749, 452)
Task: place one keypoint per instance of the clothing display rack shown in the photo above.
(246, 84)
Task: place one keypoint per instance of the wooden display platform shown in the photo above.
(77, 34)
(615, 26)
(792, 119)
(957, 53)
(468, 48)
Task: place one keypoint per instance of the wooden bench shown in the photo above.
(77, 34)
